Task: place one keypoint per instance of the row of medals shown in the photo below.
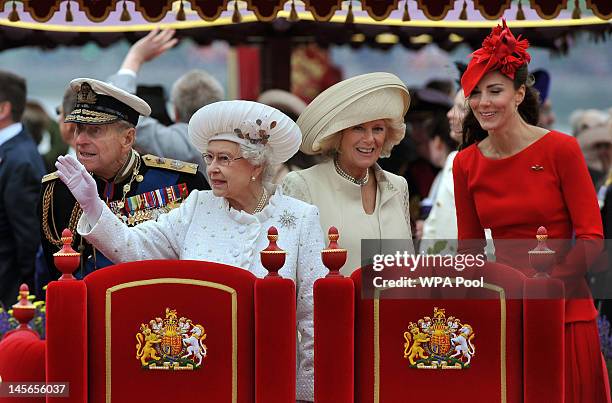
(138, 216)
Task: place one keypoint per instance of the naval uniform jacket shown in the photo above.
(58, 209)
(205, 227)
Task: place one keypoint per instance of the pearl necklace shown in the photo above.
(263, 200)
(360, 182)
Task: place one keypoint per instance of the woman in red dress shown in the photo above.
(513, 177)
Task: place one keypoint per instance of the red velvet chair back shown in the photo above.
(121, 299)
(518, 344)
(216, 296)
(384, 375)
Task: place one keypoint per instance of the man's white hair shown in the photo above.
(194, 90)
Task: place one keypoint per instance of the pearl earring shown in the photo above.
(252, 179)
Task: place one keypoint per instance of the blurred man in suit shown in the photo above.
(21, 168)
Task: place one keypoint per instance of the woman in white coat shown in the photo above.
(240, 140)
(354, 123)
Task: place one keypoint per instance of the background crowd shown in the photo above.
(420, 137)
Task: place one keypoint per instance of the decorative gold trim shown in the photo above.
(90, 116)
(154, 161)
(142, 10)
(305, 16)
(18, 307)
(422, 5)
(201, 283)
(220, 9)
(311, 10)
(502, 334)
(505, 5)
(595, 9)
(502, 314)
(273, 252)
(370, 10)
(49, 177)
(333, 250)
(376, 346)
(29, 9)
(58, 254)
(47, 207)
(254, 9)
(541, 252)
(541, 14)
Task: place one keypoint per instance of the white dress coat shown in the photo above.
(205, 227)
(339, 201)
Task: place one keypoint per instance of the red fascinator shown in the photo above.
(500, 51)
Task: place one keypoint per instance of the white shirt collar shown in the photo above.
(9, 132)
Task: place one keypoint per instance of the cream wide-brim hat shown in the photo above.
(351, 102)
(249, 123)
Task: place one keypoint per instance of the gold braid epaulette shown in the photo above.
(48, 206)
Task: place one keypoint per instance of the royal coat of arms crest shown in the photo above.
(439, 343)
(172, 343)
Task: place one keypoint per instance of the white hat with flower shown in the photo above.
(248, 123)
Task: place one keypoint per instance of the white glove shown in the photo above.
(82, 186)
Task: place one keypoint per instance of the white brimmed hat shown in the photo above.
(249, 123)
(351, 102)
(283, 100)
(102, 103)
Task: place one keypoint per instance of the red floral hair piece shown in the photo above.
(500, 51)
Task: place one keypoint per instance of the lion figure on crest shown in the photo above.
(415, 350)
(144, 348)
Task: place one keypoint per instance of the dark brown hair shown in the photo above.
(528, 109)
(13, 90)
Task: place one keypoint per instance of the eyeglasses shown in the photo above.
(222, 159)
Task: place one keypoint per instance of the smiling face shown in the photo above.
(233, 180)
(361, 145)
(494, 101)
(103, 149)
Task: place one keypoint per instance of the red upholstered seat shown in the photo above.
(518, 344)
(93, 327)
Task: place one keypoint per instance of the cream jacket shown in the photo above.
(339, 203)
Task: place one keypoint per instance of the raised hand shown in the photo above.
(82, 186)
(148, 48)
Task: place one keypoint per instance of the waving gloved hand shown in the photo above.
(81, 185)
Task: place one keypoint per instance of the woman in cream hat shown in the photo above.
(354, 123)
(239, 141)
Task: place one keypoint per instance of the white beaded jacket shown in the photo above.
(205, 227)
